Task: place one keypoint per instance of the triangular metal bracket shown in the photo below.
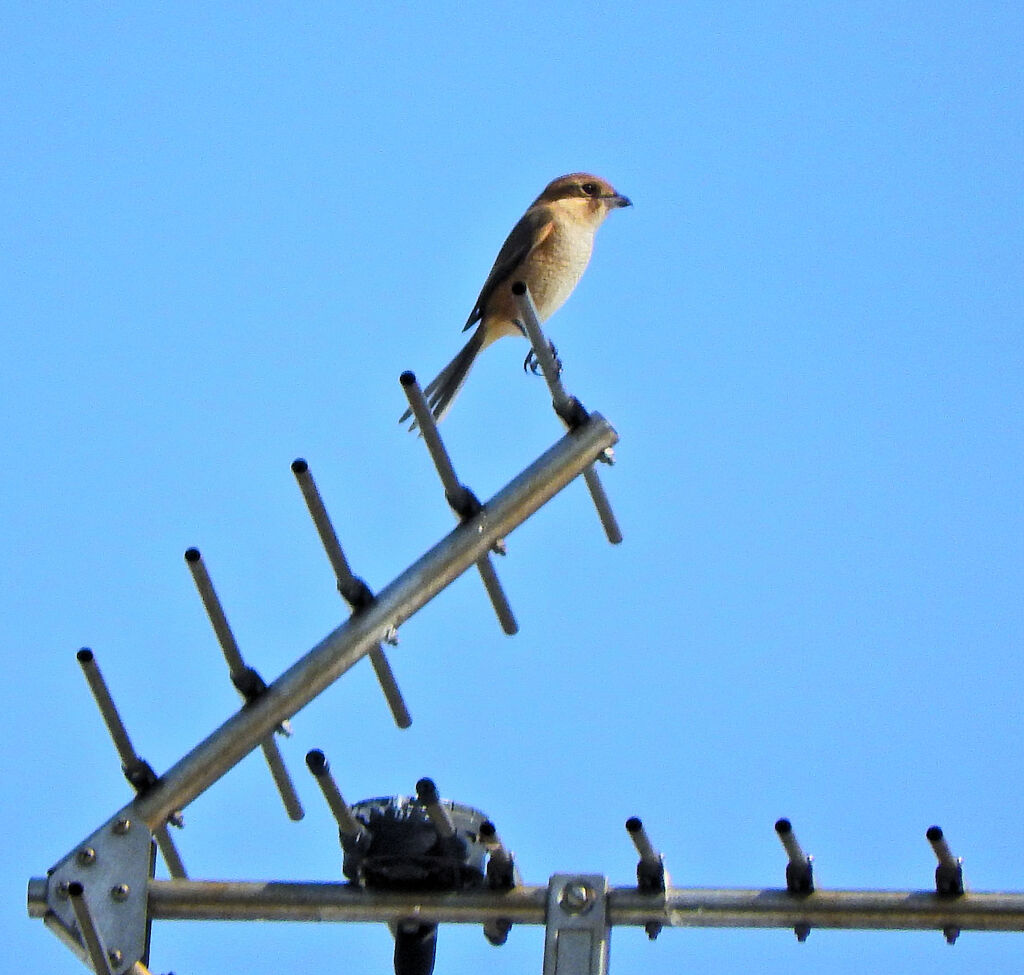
(113, 866)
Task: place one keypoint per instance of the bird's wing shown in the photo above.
(533, 228)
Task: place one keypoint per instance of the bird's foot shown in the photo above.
(532, 364)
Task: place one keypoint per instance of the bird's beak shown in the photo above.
(620, 201)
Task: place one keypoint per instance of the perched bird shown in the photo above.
(548, 249)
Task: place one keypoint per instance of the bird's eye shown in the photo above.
(591, 189)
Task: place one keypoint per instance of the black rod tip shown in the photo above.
(487, 829)
(407, 378)
(75, 889)
(634, 824)
(934, 833)
(192, 555)
(316, 762)
(518, 288)
(426, 790)
(84, 656)
(783, 827)
(299, 466)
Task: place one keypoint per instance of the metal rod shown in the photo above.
(426, 792)
(322, 521)
(125, 750)
(345, 579)
(799, 870)
(604, 509)
(530, 320)
(87, 926)
(388, 684)
(111, 717)
(680, 907)
(283, 781)
(459, 497)
(350, 827)
(500, 863)
(949, 875)
(941, 847)
(642, 841)
(565, 406)
(793, 849)
(502, 608)
(239, 673)
(175, 866)
(394, 604)
(215, 611)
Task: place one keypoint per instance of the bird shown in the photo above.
(548, 249)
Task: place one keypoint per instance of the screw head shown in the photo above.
(115, 956)
(86, 856)
(120, 892)
(122, 826)
(576, 897)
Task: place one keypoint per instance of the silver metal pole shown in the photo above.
(108, 710)
(347, 644)
(677, 907)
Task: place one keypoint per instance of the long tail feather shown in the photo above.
(442, 390)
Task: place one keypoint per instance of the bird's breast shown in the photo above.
(556, 266)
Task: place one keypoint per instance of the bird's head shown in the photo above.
(597, 194)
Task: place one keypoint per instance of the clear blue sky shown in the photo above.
(225, 234)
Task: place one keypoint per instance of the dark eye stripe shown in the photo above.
(590, 189)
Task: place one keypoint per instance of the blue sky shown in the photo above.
(227, 231)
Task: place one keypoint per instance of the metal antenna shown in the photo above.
(353, 589)
(247, 681)
(462, 500)
(137, 770)
(416, 863)
(569, 409)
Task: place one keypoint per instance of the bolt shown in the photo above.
(63, 890)
(86, 856)
(122, 826)
(115, 956)
(577, 897)
(120, 892)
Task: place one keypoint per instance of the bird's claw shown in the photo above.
(532, 363)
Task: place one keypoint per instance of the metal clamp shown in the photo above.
(577, 931)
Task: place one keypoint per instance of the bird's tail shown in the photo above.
(445, 386)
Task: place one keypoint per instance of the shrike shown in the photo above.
(548, 249)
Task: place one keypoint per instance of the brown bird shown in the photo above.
(548, 249)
